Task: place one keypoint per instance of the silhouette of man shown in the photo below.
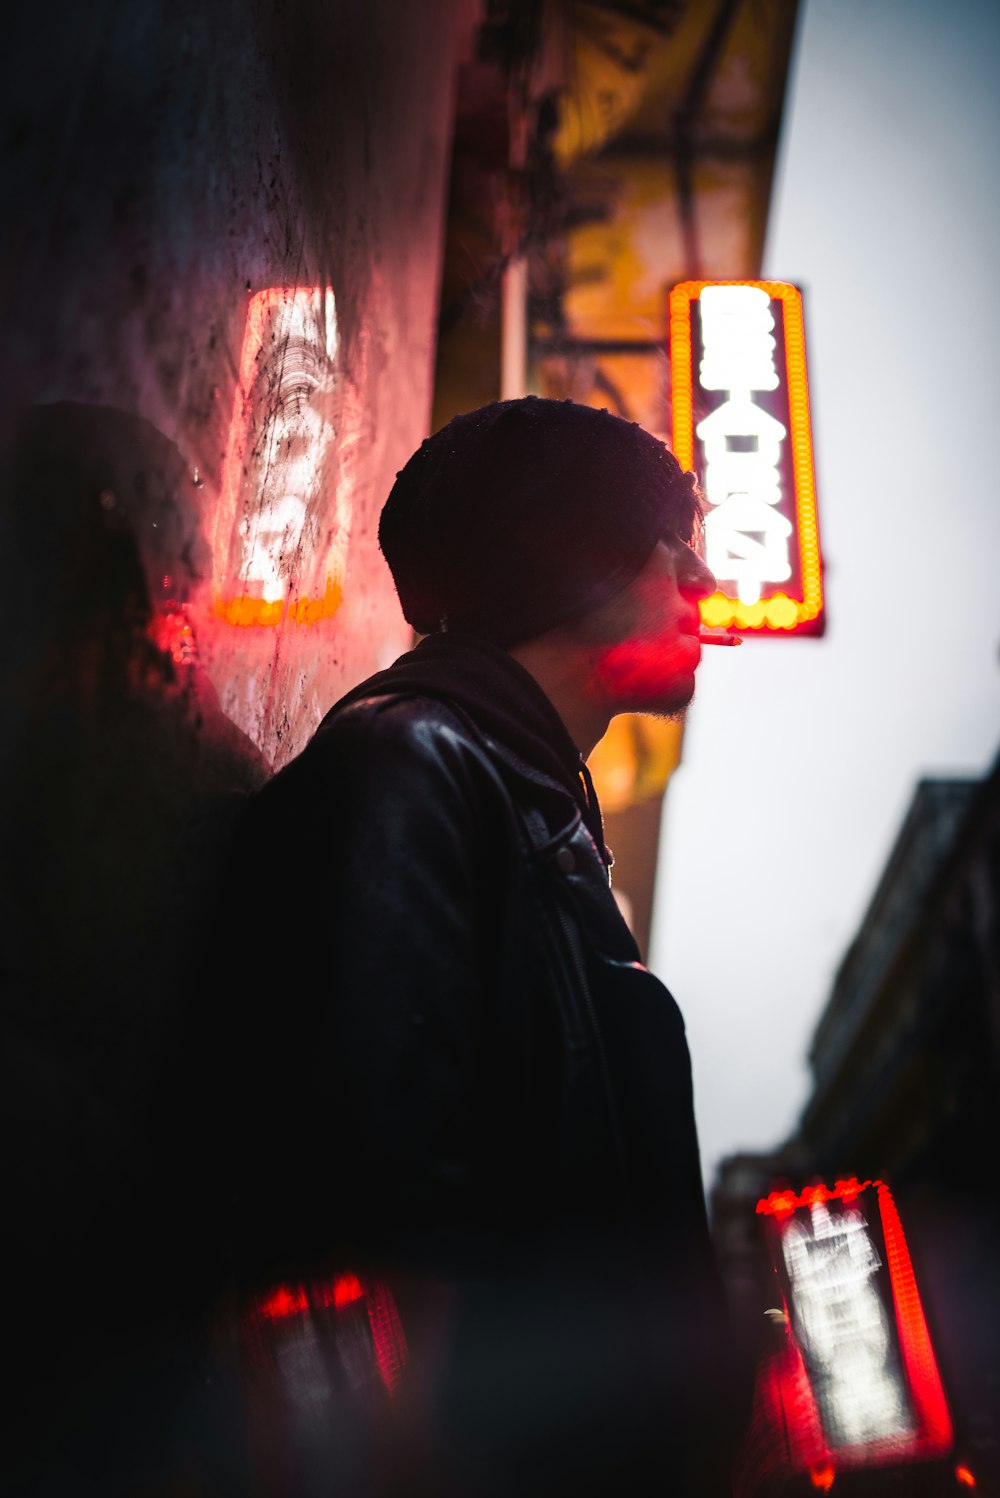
(461, 1078)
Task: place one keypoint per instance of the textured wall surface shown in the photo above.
(166, 164)
(221, 249)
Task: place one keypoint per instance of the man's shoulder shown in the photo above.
(425, 726)
(399, 714)
(383, 753)
(370, 730)
(409, 756)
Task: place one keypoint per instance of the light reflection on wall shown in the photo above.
(278, 555)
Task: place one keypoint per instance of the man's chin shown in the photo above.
(648, 680)
(671, 705)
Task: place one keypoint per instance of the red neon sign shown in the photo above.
(740, 400)
(858, 1383)
(375, 1299)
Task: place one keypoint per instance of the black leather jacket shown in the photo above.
(472, 1077)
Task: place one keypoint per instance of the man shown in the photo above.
(473, 1087)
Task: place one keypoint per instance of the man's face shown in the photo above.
(644, 648)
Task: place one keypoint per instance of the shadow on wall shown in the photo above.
(121, 779)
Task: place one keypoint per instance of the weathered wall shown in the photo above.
(167, 163)
(188, 509)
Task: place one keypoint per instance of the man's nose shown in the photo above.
(697, 580)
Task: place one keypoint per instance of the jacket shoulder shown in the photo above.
(409, 735)
(408, 759)
(435, 730)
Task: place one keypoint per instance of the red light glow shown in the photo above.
(779, 612)
(171, 632)
(784, 1203)
(964, 1477)
(935, 1432)
(282, 1303)
(784, 1402)
(388, 1338)
(346, 1289)
(822, 1478)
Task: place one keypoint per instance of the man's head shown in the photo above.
(526, 514)
(569, 537)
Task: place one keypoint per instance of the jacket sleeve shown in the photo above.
(372, 957)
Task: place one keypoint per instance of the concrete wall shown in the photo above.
(166, 164)
(222, 239)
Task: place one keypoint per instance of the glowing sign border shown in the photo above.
(777, 614)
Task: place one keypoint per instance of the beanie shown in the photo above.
(526, 514)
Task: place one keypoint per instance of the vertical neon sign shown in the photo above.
(860, 1382)
(278, 553)
(740, 401)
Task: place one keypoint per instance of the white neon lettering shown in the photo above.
(747, 541)
(736, 325)
(843, 1329)
(739, 421)
(287, 460)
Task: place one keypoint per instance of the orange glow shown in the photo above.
(822, 1478)
(930, 1406)
(244, 609)
(779, 612)
(964, 1477)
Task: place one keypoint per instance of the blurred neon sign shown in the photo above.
(303, 1304)
(278, 553)
(858, 1383)
(740, 400)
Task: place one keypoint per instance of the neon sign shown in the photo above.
(858, 1383)
(278, 553)
(301, 1304)
(740, 402)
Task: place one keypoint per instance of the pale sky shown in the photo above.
(801, 756)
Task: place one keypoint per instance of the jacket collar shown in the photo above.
(505, 703)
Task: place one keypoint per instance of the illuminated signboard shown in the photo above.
(382, 1348)
(282, 530)
(740, 402)
(858, 1384)
(320, 1362)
